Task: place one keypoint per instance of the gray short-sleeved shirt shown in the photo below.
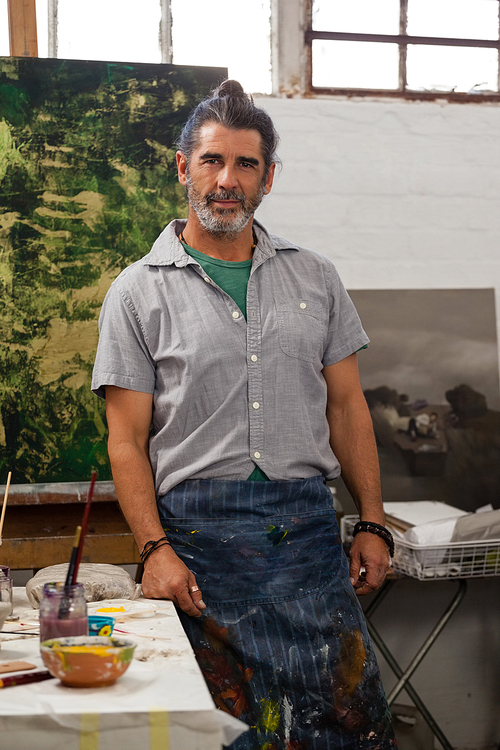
(229, 393)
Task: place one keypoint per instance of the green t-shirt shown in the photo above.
(232, 277)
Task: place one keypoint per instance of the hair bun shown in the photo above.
(229, 88)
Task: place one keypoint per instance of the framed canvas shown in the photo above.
(87, 182)
(431, 380)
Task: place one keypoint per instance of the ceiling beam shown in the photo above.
(22, 28)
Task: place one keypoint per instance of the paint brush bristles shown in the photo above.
(4, 506)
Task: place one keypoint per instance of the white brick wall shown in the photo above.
(398, 194)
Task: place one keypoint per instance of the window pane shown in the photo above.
(355, 65)
(4, 29)
(42, 27)
(466, 19)
(225, 33)
(122, 30)
(451, 68)
(357, 16)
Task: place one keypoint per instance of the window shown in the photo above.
(418, 48)
(4, 29)
(186, 32)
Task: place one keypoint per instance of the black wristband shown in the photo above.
(150, 547)
(375, 528)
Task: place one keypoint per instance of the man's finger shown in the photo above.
(354, 571)
(196, 596)
(185, 602)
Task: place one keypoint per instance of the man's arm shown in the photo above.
(353, 442)
(129, 418)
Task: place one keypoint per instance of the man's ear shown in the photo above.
(269, 179)
(181, 167)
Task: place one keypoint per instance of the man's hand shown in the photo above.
(166, 577)
(370, 561)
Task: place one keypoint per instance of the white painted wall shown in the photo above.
(400, 195)
(405, 195)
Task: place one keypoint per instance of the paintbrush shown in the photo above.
(65, 601)
(4, 506)
(84, 528)
(73, 558)
(24, 679)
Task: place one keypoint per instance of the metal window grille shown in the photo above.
(165, 33)
(403, 40)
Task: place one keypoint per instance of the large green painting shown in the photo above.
(87, 182)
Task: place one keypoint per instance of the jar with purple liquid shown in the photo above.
(63, 611)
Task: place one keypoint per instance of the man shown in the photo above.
(227, 357)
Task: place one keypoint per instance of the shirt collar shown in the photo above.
(167, 249)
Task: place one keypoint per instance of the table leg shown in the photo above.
(404, 676)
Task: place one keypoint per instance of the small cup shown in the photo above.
(100, 625)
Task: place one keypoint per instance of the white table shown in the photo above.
(160, 703)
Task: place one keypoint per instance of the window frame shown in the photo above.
(402, 40)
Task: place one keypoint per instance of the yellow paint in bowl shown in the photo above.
(87, 661)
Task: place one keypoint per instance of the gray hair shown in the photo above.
(228, 105)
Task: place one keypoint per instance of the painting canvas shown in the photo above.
(87, 182)
(431, 380)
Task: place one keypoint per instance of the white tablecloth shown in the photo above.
(160, 703)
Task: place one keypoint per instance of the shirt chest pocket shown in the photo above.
(302, 326)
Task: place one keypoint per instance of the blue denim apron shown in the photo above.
(283, 643)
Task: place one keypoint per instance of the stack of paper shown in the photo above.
(423, 522)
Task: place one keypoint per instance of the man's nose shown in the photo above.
(227, 178)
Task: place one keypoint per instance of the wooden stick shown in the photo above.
(22, 28)
(4, 506)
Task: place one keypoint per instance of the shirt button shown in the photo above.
(207, 279)
(256, 405)
(256, 454)
(302, 305)
(236, 314)
(254, 358)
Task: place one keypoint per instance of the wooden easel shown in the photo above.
(23, 38)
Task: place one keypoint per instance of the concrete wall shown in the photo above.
(405, 195)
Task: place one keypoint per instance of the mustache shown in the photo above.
(225, 195)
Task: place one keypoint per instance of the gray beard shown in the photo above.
(222, 223)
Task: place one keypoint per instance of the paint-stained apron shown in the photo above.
(283, 643)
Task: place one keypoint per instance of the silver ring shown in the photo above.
(193, 589)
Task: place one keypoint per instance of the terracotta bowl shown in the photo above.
(87, 661)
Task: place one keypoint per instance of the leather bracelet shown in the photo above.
(153, 549)
(150, 547)
(375, 528)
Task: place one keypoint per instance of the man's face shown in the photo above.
(225, 178)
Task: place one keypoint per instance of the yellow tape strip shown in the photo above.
(158, 730)
(89, 732)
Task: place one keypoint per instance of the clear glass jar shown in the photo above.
(63, 611)
(5, 597)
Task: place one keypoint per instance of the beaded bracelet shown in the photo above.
(151, 546)
(376, 528)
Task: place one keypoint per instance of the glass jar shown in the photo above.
(5, 597)
(63, 611)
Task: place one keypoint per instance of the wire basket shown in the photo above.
(478, 559)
